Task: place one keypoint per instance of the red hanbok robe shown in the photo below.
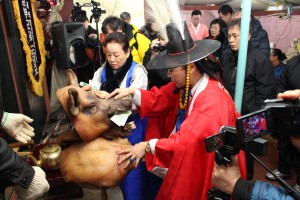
(183, 153)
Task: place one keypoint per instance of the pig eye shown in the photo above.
(92, 108)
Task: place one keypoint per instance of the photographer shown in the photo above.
(228, 178)
(288, 80)
(157, 77)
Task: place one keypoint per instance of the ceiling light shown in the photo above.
(270, 8)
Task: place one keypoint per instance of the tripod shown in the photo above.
(98, 53)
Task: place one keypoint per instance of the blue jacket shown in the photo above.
(278, 70)
(263, 190)
(258, 190)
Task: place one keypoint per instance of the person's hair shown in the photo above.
(196, 12)
(225, 9)
(91, 30)
(237, 22)
(279, 53)
(119, 38)
(219, 21)
(148, 24)
(237, 10)
(125, 15)
(114, 23)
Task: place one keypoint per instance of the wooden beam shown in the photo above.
(264, 13)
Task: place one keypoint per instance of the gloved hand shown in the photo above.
(16, 125)
(38, 187)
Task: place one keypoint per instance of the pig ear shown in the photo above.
(72, 78)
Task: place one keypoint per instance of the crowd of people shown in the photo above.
(183, 90)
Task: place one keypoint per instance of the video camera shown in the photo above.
(97, 12)
(159, 48)
(78, 15)
(46, 5)
(282, 116)
(278, 115)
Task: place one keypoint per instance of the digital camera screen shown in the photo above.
(252, 125)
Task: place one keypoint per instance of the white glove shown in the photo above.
(38, 187)
(16, 125)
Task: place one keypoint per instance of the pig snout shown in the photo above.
(119, 105)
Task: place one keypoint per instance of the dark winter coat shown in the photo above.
(290, 76)
(259, 83)
(259, 36)
(13, 170)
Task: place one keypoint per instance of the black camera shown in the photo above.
(97, 12)
(159, 48)
(78, 15)
(44, 4)
(282, 116)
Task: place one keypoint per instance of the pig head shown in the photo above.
(90, 114)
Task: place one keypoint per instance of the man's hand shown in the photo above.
(224, 178)
(16, 125)
(289, 94)
(135, 154)
(38, 187)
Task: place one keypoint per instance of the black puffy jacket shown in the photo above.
(13, 170)
(290, 76)
(259, 83)
(259, 36)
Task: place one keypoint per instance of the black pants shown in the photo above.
(289, 157)
(284, 147)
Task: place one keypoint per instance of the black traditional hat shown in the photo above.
(182, 51)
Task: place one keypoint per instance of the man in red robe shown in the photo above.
(177, 152)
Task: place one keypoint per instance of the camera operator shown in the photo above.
(288, 80)
(228, 178)
(157, 77)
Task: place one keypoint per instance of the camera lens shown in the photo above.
(155, 48)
